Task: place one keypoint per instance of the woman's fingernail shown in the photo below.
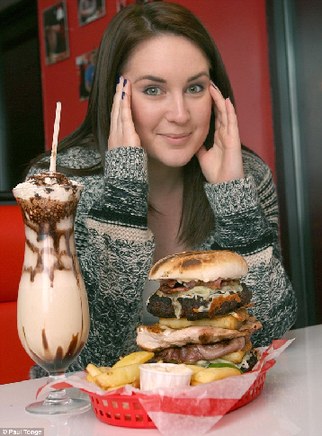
(123, 95)
(125, 82)
(213, 85)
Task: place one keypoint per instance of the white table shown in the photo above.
(290, 404)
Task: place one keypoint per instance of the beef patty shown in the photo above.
(197, 307)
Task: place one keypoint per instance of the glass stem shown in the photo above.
(57, 396)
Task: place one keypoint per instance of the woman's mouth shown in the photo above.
(176, 138)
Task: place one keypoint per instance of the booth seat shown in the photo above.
(14, 361)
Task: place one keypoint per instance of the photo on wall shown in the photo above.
(55, 32)
(85, 64)
(90, 10)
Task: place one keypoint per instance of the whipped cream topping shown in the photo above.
(54, 186)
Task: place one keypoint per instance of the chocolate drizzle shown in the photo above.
(60, 361)
(44, 340)
(43, 216)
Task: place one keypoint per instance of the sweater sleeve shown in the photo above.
(116, 257)
(246, 221)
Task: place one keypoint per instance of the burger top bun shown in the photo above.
(200, 265)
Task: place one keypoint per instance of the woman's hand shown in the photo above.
(223, 161)
(122, 130)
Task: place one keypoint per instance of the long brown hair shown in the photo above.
(131, 26)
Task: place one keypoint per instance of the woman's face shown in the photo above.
(171, 103)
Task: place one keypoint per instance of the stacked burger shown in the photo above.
(202, 309)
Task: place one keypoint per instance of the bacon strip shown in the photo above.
(170, 286)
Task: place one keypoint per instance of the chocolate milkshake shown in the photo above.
(53, 317)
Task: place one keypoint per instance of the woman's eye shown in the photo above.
(195, 89)
(152, 90)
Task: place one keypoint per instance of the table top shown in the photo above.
(290, 404)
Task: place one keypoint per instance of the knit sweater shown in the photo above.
(115, 246)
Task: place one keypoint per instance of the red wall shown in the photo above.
(240, 31)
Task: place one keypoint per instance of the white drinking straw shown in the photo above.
(53, 155)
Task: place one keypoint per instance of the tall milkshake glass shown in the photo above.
(53, 315)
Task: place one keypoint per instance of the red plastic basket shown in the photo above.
(252, 393)
(121, 410)
(126, 410)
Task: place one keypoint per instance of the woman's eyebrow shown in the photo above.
(151, 78)
(197, 76)
(160, 80)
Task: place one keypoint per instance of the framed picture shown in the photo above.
(90, 10)
(55, 32)
(85, 64)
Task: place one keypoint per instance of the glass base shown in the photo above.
(59, 403)
(72, 407)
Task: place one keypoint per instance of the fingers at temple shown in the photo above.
(219, 106)
(232, 126)
(116, 106)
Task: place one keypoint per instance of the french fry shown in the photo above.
(195, 368)
(135, 384)
(237, 356)
(224, 322)
(118, 376)
(208, 375)
(137, 357)
(115, 387)
(125, 371)
(93, 370)
(90, 378)
(104, 368)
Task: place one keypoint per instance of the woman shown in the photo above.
(163, 171)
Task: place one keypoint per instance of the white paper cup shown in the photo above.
(164, 375)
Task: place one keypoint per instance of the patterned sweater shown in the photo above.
(115, 247)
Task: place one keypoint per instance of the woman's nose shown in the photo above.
(177, 109)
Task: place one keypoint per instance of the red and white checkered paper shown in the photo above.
(192, 410)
